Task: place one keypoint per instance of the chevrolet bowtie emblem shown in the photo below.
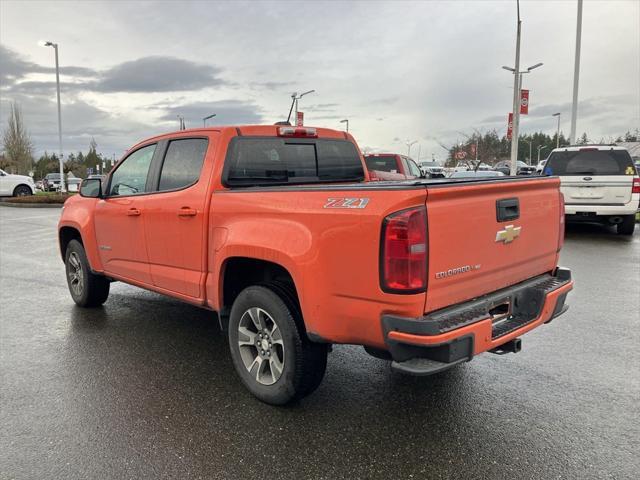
(508, 235)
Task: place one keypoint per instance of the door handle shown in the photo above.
(187, 212)
(133, 212)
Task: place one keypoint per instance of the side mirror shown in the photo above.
(91, 188)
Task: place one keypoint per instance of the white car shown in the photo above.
(600, 184)
(432, 169)
(16, 185)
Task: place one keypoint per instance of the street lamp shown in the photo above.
(540, 147)
(409, 144)
(181, 122)
(55, 47)
(346, 120)
(204, 120)
(295, 97)
(558, 114)
(517, 86)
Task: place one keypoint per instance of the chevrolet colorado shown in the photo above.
(279, 231)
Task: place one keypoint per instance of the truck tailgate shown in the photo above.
(472, 252)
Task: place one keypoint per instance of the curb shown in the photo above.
(30, 205)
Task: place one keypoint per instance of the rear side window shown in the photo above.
(590, 162)
(267, 161)
(382, 163)
(182, 163)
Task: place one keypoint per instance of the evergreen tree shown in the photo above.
(18, 148)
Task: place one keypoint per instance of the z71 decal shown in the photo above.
(346, 203)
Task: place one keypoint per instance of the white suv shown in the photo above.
(600, 184)
(16, 185)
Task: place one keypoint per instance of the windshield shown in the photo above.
(255, 161)
(590, 162)
(382, 163)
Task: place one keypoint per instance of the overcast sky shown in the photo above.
(399, 71)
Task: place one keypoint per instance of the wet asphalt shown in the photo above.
(144, 387)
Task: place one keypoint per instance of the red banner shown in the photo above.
(300, 119)
(524, 102)
(510, 126)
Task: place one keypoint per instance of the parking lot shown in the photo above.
(144, 387)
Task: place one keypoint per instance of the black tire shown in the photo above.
(22, 191)
(304, 362)
(94, 289)
(627, 226)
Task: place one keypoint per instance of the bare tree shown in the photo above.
(16, 142)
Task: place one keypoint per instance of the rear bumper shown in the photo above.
(442, 339)
(602, 210)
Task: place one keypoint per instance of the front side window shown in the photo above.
(413, 168)
(182, 163)
(131, 176)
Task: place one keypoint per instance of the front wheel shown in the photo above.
(627, 226)
(22, 191)
(270, 351)
(87, 289)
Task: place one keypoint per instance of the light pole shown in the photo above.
(204, 120)
(297, 97)
(346, 120)
(516, 103)
(576, 76)
(181, 122)
(530, 156)
(55, 47)
(409, 144)
(558, 133)
(540, 147)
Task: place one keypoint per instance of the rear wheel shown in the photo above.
(87, 289)
(270, 351)
(22, 191)
(627, 226)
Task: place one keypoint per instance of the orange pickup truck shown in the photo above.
(278, 230)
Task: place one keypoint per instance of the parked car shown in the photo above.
(477, 174)
(504, 166)
(432, 169)
(391, 166)
(16, 185)
(600, 184)
(277, 230)
(51, 182)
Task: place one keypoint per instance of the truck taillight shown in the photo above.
(305, 132)
(404, 251)
(562, 223)
(636, 185)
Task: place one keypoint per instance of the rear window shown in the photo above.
(382, 163)
(267, 161)
(590, 162)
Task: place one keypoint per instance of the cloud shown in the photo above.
(158, 74)
(228, 112)
(15, 67)
(150, 74)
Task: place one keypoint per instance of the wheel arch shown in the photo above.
(240, 272)
(65, 235)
